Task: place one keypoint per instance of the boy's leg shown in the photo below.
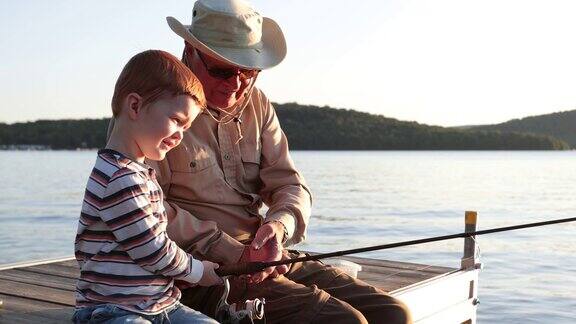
(183, 314)
(107, 314)
(132, 319)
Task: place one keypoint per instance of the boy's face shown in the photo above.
(161, 125)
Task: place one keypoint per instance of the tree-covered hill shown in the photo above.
(307, 128)
(316, 128)
(57, 134)
(561, 125)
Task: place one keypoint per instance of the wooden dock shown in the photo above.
(43, 292)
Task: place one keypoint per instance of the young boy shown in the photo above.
(128, 264)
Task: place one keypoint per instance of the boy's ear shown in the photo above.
(133, 105)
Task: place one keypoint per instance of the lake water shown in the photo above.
(368, 198)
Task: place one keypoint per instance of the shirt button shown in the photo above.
(193, 164)
(226, 156)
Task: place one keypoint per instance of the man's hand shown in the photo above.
(266, 247)
(280, 270)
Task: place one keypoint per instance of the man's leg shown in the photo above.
(373, 303)
(309, 292)
(286, 301)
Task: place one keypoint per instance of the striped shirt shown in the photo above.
(124, 253)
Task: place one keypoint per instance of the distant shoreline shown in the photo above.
(313, 128)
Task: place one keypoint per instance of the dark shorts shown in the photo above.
(309, 292)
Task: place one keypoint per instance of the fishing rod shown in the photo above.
(253, 267)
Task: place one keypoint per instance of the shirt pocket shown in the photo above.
(195, 175)
(250, 153)
(190, 159)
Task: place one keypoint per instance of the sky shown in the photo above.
(439, 62)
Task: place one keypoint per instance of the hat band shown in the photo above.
(220, 39)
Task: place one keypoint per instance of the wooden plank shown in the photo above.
(25, 318)
(392, 278)
(392, 272)
(35, 292)
(398, 265)
(34, 310)
(406, 278)
(32, 263)
(387, 285)
(55, 269)
(69, 263)
(22, 276)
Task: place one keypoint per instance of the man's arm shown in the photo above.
(283, 188)
(284, 192)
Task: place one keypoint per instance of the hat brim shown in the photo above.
(272, 52)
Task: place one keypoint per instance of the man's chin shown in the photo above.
(223, 104)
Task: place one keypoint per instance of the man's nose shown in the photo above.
(234, 82)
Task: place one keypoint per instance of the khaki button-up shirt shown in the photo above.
(215, 185)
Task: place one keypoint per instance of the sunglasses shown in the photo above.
(225, 74)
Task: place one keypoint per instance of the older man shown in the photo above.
(233, 159)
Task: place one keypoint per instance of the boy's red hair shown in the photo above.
(153, 74)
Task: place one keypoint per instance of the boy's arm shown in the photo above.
(127, 211)
(201, 238)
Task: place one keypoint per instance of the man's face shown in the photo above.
(223, 84)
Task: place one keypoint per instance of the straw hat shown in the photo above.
(231, 31)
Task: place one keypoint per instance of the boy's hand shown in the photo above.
(209, 277)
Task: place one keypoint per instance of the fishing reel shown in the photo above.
(250, 312)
